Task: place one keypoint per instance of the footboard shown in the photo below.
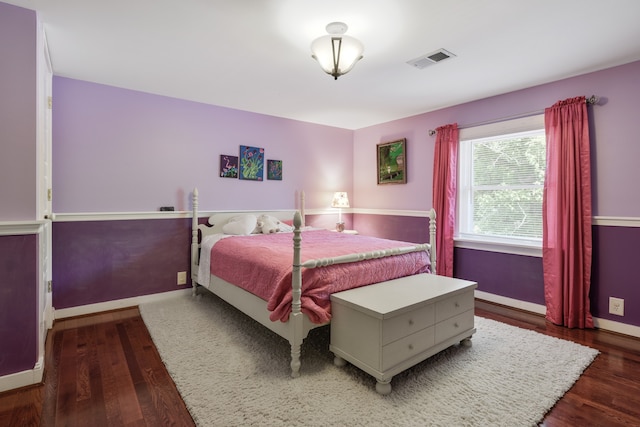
(296, 328)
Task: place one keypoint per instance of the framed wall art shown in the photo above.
(251, 163)
(228, 166)
(274, 170)
(392, 162)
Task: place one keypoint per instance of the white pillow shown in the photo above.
(240, 225)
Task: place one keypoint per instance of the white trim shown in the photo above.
(503, 127)
(116, 304)
(13, 228)
(510, 302)
(604, 324)
(24, 378)
(505, 248)
(616, 221)
(613, 326)
(115, 216)
(119, 216)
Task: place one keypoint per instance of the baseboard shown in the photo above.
(24, 378)
(116, 304)
(604, 324)
(511, 302)
(613, 326)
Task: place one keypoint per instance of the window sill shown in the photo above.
(502, 247)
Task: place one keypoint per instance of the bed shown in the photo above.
(292, 282)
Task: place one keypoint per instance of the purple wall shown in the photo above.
(18, 303)
(97, 261)
(17, 113)
(614, 261)
(18, 254)
(614, 146)
(118, 156)
(512, 276)
(407, 228)
(520, 277)
(614, 167)
(117, 150)
(135, 152)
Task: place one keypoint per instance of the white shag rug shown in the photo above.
(232, 371)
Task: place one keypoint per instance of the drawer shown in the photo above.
(407, 347)
(453, 326)
(407, 323)
(454, 305)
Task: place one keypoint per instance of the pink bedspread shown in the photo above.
(262, 265)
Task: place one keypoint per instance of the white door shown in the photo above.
(45, 213)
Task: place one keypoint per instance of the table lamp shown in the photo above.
(340, 200)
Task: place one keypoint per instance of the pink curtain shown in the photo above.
(566, 218)
(445, 164)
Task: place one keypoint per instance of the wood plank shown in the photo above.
(127, 379)
(104, 346)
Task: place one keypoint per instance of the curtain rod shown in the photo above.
(589, 101)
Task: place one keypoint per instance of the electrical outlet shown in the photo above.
(616, 306)
(182, 277)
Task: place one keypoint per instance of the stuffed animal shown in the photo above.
(268, 224)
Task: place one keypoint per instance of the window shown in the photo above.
(500, 186)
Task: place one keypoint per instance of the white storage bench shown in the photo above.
(388, 327)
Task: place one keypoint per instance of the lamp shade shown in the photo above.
(340, 200)
(336, 53)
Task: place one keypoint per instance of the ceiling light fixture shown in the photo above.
(335, 52)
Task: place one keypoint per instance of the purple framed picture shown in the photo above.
(251, 163)
(228, 166)
(274, 170)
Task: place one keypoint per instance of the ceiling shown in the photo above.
(254, 55)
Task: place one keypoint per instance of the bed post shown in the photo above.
(432, 240)
(296, 316)
(194, 243)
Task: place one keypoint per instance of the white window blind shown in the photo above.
(501, 178)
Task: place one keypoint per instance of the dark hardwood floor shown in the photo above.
(103, 370)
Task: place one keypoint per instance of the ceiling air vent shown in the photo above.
(430, 59)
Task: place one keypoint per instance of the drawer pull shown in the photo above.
(455, 325)
(410, 321)
(457, 304)
(410, 346)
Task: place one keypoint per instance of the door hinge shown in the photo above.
(50, 103)
(49, 194)
(49, 286)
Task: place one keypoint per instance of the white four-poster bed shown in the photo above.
(296, 325)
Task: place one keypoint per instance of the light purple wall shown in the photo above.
(17, 113)
(117, 150)
(615, 148)
(615, 154)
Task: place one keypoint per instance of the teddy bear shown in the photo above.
(268, 224)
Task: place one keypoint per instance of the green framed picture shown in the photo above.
(392, 162)
(251, 163)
